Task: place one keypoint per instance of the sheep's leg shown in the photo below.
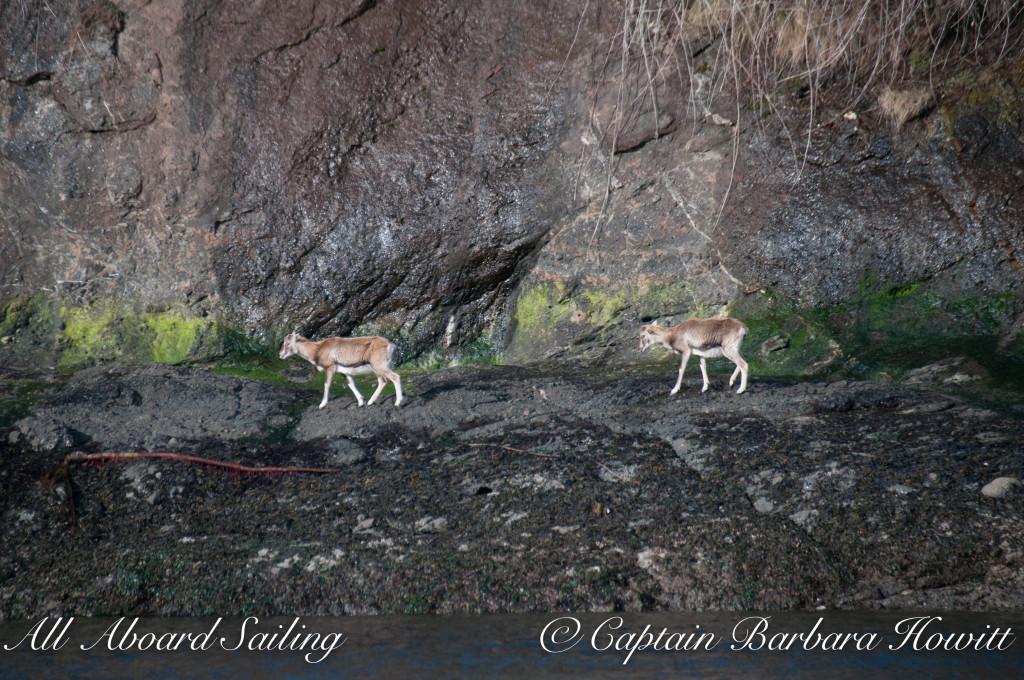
(381, 382)
(328, 374)
(734, 355)
(682, 368)
(355, 390)
(397, 380)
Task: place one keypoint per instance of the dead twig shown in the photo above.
(509, 448)
(110, 457)
(602, 509)
(629, 481)
(628, 502)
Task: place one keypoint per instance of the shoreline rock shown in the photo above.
(478, 495)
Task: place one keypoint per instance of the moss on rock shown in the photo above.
(43, 331)
(881, 331)
(552, 314)
(28, 331)
(176, 336)
(540, 307)
(786, 339)
(113, 331)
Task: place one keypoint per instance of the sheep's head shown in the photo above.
(647, 337)
(290, 346)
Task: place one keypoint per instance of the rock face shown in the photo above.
(894, 235)
(316, 164)
(437, 170)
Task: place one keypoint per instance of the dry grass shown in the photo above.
(902, 106)
(822, 57)
(853, 50)
(854, 47)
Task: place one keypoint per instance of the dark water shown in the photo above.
(592, 646)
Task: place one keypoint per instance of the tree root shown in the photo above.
(57, 481)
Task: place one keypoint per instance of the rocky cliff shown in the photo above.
(180, 175)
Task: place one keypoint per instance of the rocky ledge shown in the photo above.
(503, 489)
